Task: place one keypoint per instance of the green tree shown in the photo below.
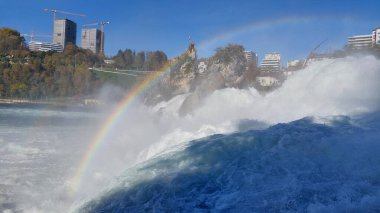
(231, 52)
(119, 60)
(10, 40)
(128, 58)
(139, 60)
(155, 60)
(25, 73)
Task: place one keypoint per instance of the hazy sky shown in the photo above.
(291, 27)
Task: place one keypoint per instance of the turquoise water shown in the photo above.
(312, 145)
(301, 166)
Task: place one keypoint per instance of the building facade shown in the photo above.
(293, 65)
(91, 39)
(360, 41)
(376, 36)
(202, 67)
(45, 46)
(271, 62)
(65, 31)
(267, 81)
(364, 41)
(251, 57)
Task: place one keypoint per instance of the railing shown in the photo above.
(135, 73)
(52, 102)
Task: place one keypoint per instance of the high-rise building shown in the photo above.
(360, 41)
(251, 57)
(271, 62)
(65, 31)
(91, 39)
(364, 41)
(45, 46)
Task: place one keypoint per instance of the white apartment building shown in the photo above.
(376, 36)
(267, 81)
(45, 46)
(271, 62)
(360, 41)
(364, 41)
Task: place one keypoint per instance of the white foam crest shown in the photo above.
(290, 167)
(345, 86)
(331, 87)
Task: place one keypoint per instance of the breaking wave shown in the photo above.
(311, 145)
(292, 167)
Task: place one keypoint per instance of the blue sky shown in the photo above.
(291, 27)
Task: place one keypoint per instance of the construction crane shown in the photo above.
(102, 23)
(312, 53)
(62, 12)
(32, 36)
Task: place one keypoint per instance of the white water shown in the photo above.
(295, 167)
(323, 90)
(38, 150)
(340, 87)
(346, 86)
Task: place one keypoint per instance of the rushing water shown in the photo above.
(319, 155)
(38, 149)
(312, 145)
(301, 166)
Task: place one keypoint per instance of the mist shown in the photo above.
(347, 86)
(58, 140)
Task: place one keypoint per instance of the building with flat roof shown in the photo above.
(268, 81)
(360, 41)
(251, 57)
(376, 36)
(45, 46)
(293, 65)
(364, 41)
(65, 31)
(271, 62)
(109, 61)
(91, 39)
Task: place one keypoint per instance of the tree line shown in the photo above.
(34, 75)
(129, 59)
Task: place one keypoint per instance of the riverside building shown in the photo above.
(45, 46)
(364, 41)
(251, 57)
(360, 41)
(271, 62)
(268, 81)
(376, 36)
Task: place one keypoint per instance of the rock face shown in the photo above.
(181, 79)
(200, 77)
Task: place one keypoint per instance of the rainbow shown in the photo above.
(266, 24)
(253, 27)
(145, 83)
(113, 119)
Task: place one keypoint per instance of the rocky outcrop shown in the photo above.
(200, 77)
(207, 84)
(181, 79)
